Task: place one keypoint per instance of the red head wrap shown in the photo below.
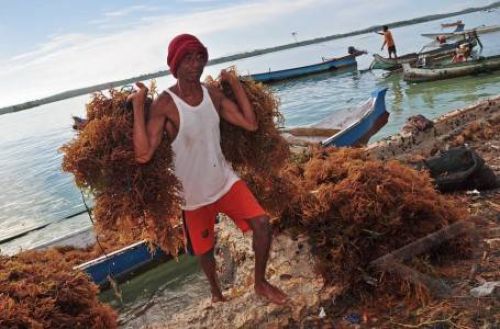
(179, 47)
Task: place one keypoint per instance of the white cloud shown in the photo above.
(76, 60)
(129, 10)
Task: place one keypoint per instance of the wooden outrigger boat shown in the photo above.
(331, 64)
(440, 72)
(443, 52)
(351, 126)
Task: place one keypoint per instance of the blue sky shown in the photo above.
(48, 46)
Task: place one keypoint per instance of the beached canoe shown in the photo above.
(357, 125)
(331, 64)
(483, 29)
(118, 265)
(351, 126)
(433, 55)
(440, 72)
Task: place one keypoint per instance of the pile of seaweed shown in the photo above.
(40, 290)
(258, 156)
(134, 199)
(355, 210)
(258, 151)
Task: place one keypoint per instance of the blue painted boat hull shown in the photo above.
(328, 65)
(360, 131)
(122, 263)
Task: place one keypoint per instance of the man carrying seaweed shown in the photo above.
(188, 114)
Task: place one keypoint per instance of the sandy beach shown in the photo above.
(313, 305)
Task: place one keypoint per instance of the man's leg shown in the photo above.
(207, 262)
(199, 234)
(262, 236)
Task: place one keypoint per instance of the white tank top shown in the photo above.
(199, 164)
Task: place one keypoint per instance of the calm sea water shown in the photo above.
(35, 191)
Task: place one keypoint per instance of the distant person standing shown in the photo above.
(389, 41)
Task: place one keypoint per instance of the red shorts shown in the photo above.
(238, 203)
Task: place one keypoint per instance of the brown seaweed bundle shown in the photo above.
(258, 156)
(39, 290)
(261, 151)
(137, 200)
(359, 209)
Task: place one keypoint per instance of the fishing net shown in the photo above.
(40, 290)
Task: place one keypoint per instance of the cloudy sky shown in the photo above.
(48, 46)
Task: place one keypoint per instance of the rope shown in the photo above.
(112, 281)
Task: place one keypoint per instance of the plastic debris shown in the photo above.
(486, 289)
(353, 318)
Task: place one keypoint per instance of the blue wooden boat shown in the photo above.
(123, 263)
(330, 64)
(348, 127)
(356, 126)
(119, 265)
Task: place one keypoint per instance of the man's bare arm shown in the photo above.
(147, 135)
(241, 114)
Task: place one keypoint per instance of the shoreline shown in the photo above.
(113, 84)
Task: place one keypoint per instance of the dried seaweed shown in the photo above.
(40, 290)
(262, 151)
(355, 210)
(134, 199)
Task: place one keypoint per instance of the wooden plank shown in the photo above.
(424, 244)
(436, 287)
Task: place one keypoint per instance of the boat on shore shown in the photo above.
(357, 125)
(440, 72)
(443, 52)
(351, 126)
(330, 64)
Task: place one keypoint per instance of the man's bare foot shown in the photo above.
(271, 293)
(217, 297)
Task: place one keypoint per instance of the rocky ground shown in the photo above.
(314, 306)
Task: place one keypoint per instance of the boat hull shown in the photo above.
(481, 65)
(440, 53)
(122, 264)
(328, 65)
(360, 131)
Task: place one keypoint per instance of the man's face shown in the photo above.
(191, 66)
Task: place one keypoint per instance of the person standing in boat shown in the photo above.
(188, 114)
(389, 41)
